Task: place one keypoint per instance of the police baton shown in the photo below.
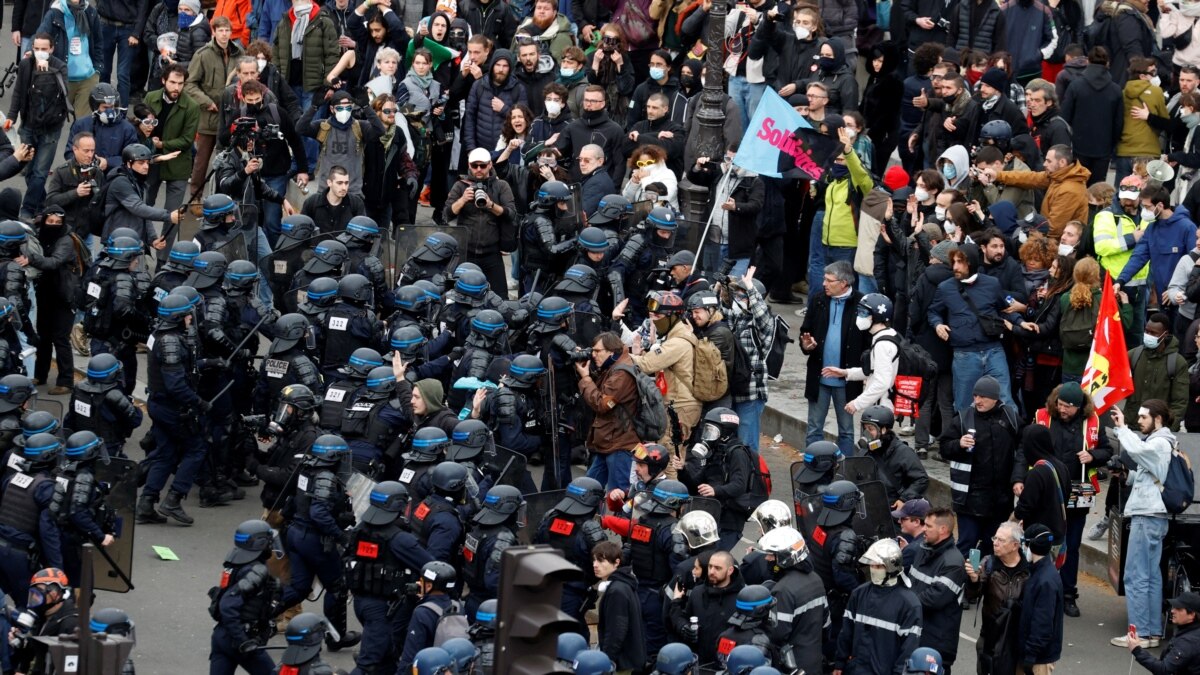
(226, 361)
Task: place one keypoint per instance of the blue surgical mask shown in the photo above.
(185, 21)
(1150, 341)
(948, 171)
(657, 73)
(566, 72)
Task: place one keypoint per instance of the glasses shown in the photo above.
(480, 165)
(598, 350)
(388, 111)
(817, 96)
(593, 101)
(343, 108)
(149, 121)
(644, 163)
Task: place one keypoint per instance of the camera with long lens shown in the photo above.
(88, 175)
(246, 130)
(481, 196)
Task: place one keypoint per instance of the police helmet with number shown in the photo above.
(438, 247)
(329, 449)
(524, 371)
(745, 658)
(39, 422)
(361, 362)
(241, 275)
(355, 289)
(104, 369)
(300, 396)
(304, 635)
(584, 496)
(699, 528)
(135, 152)
(15, 390)
(408, 341)
(40, 450)
(675, 658)
(449, 478)
(592, 239)
(183, 252)
(489, 323)
(667, 496)
(923, 660)
(428, 445)
(322, 292)
(215, 208)
(656, 457)
(877, 306)
(251, 540)
(786, 544)
(820, 458)
(440, 575)
(612, 209)
(839, 501)
(719, 424)
(328, 255)
(578, 279)
(472, 284)
(208, 268)
(463, 652)
(123, 249)
(290, 330)
(173, 309)
(381, 380)
(362, 228)
(593, 662)
(468, 440)
(388, 501)
(499, 504)
(553, 192)
(411, 298)
(772, 514)
(297, 227)
(82, 446)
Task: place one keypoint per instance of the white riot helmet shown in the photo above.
(786, 544)
(885, 552)
(699, 528)
(770, 515)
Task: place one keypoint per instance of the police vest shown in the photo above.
(651, 565)
(18, 509)
(339, 343)
(425, 511)
(305, 484)
(256, 606)
(87, 413)
(362, 421)
(373, 568)
(474, 551)
(563, 532)
(333, 404)
(284, 266)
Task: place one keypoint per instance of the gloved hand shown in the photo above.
(247, 647)
(456, 353)
(691, 633)
(204, 407)
(413, 187)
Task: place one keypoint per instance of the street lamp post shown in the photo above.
(710, 137)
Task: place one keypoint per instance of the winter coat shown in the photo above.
(838, 228)
(123, 11)
(595, 187)
(881, 628)
(901, 472)
(1047, 487)
(840, 81)
(1131, 34)
(910, 115)
(1041, 631)
(602, 131)
(27, 15)
(320, 51)
(674, 357)
(1177, 24)
(792, 58)
(1068, 439)
(111, 139)
(936, 10)
(1001, 588)
(1004, 109)
(29, 108)
(485, 233)
(1066, 193)
(949, 307)
(1138, 138)
(160, 21)
(494, 19)
(126, 206)
(1152, 456)
(1008, 273)
(191, 41)
(1181, 656)
(60, 191)
(386, 170)
(840, 20)
(208, 73)
(558, 34)
(989, 463)
(748, 202)
(237, 11)
(712, 606)
(178, 133)
(938, 578)
(978, 24)
(59, 277)
(482, 125)
(1162, 245)
(879, 96)
(918, 323)
(1094, 107)
(1030, 36)
(1072, 70)
(854, 341)
(1152, 379)
(965, 110)
(890, 261)
(54, 25)
(677, 101)
(620, 633)
(1049, 130)
(612, 396)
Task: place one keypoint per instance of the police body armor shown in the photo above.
(363, 261)
(79, 491)
(100, 318)
(372, 568)
(10, 428)
(339, 343)
(87, 410)
(165, 281)
(219, 329)
(284, 265)
(290, 367)
(334, 403)
(651, 566)
(173, 347)
(323, 484)
(563, 532)
(259, 590)
(474, 567)
(545, 242)
(839, 545)
(362, 421)
(413, 476)
(423, 515)
(18, 509)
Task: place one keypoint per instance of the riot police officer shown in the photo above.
(341, 389)
(28, 529)
(495, 530)
(384, 557)
(579, 287)
(360, 237)
(745, 659)
(487, 339)
(426, 451)
(242, 602)
(219, 224)
(572, 529)
(318, 532)
(286, 362)
(720, 466)
(434, 661)
(437, 583)
(98, 405)
(437, 519)
(655, 550)
(801, 608)
(175, 271)
(896, 464)
(431, 260)
(471, 443)
(423, 359)
(569, 644)
(10, 341)
(79, 504)
(410, 305)
(648, 249)
(467, 297)
(593, 662)
(113, 317)
(550, 336)
(174, 407)
(375, 418)
(821, 463)
(598, 251)
(612, 217)
(12, 275)
(305, 634)
(547, 235)
(328, 259)
(349, 324)
(464, 654)
(836, 552)
(751, 623)
(513, 411)
(288, 257)
(320, 296)
(483, 635)
(292, 425)
(675, 658)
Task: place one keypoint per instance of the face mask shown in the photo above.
(949, 227)
(662, 326)
(1065, 249)
(566, 72)
(1147, 215)
(922, 194)
(862, 322)
(41, 57)
(687, 81)
(949, 172)
(1156, 81)
(939, 212)
(826, 63)
(1151, 341)
(878, 576)
(553, 108)
(262, 64)
(342, 116)
(801, 32)
(657, 73)
(185, 20)
(108, 116)
(852, 134)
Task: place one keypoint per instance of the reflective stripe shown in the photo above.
(959, 487)
(960, 466)
(812, 604)
(880, 623)
(926, 579)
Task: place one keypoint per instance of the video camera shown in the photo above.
(245, 130)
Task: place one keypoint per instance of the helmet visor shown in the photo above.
(710, 432)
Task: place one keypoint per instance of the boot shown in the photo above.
(337, 619)
(230, 487)
(1070, 608)
(173, 509)
(213, 495)
(145, 513)
(245, 479)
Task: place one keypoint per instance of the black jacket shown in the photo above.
(937, 10)
(494, 19)
(677, 102)
(332, 219)
(1008, 273)
(793, 58)
(1043, 496)
(748, 202)
(881, 628)
(57, 264)
(728, 473)
(1006, 110)
(1132, 34)
(1180, 657)
(601, 131)
(595, 187)
(900, 470)
(854, 342)
(801, 611)
(879, 96)
(1049, 130)
(1001, 588)
(938, 578)
(27, 15)
(990, 461)
(621, 634)
(918, 325)
(1042, 614)
(650, 133)
(1094, 107)
(712, 606)
(60, 191)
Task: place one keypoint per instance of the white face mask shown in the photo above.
(852, 134)
(939, 212)
(262, 64)
(921, 194)
(1147, 215)
(553, 108)
(342, 116)
(1156, 81)
(41, 57)
(801, 32)
(1065, 249)
(862, 322)
(950, 227)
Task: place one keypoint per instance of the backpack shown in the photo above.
(1099, 32)
(739, 370)
(98, 211)
(1135, 355)
(1179, 488)
(47, 99)
(778, 346)
(915, 363)
(710, 379)
(450, 625)
(1078, 327)
(650, 422)
(758, 486)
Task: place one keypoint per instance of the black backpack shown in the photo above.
(915, 362)
(47, 102)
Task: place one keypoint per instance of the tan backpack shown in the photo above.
(710, 378)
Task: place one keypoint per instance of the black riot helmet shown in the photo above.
(361, 362)
(667, 496)
(388, 501)
(468, 441)
(472, 284)
(408, 341)
(39, 422)
(300, 396)
(15, 390)
(183, 252)
(584, 496)
(294, 399)
(208, 269)
(329, 450)
(12, 236)
(216, 208)
(551, 313)
(105, 369)
(719, 425)
(304, 635)
(553, 193)
(173, 309)
(322, 293)
(753, 604)
(103, 93)
(592, 240)
(663, 218)
(485, 616)
(612, 209)
(579, 279)
(524, 371)
(328, 255)
(449, 479)
(295, 229)
(381, 381)
(438, 247)
(489, 324)
(240, 277)
(355, 289)
(412, 299)
(440, 575)
(40, 451)
(998, 133)
(362, 229)
(82, 446)
(290, 330)
(122, 250)
(839, 501)
(135, 152)
(428, 445)
(251, 540)
(501, 503)
(820, 460)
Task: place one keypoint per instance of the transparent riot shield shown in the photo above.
(385, 250)
(359, 488)
(407, 238)
(640, 211)
(296, 195)
(859, 470)
(120, 478)
(507, 465)
(190, 222)
(874, 518)
(234, 248)
(537, 505)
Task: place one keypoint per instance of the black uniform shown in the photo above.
(106, 411)
(242, 606)
(481, 552)
(347, 327)
(82, 512)
(654, 551)
(115, 318)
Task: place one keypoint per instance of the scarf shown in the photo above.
(79, 14)
(423, 81)
(299, 26)
(990, 103)
(728, 182)
(386, 138)
(573, 80)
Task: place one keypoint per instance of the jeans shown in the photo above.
(1122, 166)
(941, 396)
(311, 147)
(1143, 582)
(262, 249)
(1138, 296)
(746, 96)
(866, 284)
(750, 413)
(44, 143)
(976, 532)
(819, 409)
(117, 37)
(816, 257)
(273, 213)
(1074, 539)
(970, 366)
(612, 470)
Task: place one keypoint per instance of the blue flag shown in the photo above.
(780, 142)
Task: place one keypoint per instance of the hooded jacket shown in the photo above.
(1138, 138)
(883, 89)
(1066, 193)
(838, 228)
(1162, 245)
(208, 75)
(1152, 456)
(1132, 35)
(843, 87)
(600, 130)
(1072, 70)
(54, 24)
(1047, 486)
(674, 356)
(918, 308)
(1094, 107)
(482, 125)
(1041, 632)
(1152, 378)
(621, 634)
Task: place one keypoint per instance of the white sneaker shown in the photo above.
(906, 427)
(1098, 531)
(1123, 641)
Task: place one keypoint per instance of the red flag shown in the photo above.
(1107, 377)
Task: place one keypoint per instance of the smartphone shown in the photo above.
(973, 558)
(1133, 629)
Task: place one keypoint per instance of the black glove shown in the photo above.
(413, 186)
(456, 353)
(204, 407)
(691, 633)
(248, 646)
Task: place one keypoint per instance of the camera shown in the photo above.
(246, 130)
(481, 195)
(943, 24)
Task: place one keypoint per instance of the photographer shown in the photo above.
(484, 204)
(238, 173)
(73, 185)
(1148, 455)
(343, 131)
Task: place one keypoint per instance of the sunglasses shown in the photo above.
(480, 165)
(643, 163)
(343, 108)
(388, 111)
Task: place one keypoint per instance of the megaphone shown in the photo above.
(1160, 171)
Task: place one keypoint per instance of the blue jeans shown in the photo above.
(117, 37)
(44, 143)
(1069, 572)
(612, 470)
(746, 96)
(866, 284)
(1143, 582)
(819, 409)
(272, 212)
(750, 413)
(1122, 166)
(262, 249)
(970, 366)
(311, 147)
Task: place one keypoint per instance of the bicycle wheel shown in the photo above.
(1178, 581)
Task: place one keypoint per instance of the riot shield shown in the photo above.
(51, 406)
(507, 465)
(359, 488)
(385, 250)
(859, 470)
(537, 505)
(296, 194)
(706, 504)
(121, 478)
(807, 505)
(874, 519)
(234, 248)
(640, 211)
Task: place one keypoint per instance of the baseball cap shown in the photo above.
(479, 155)
(1189, 601)
(913, 508)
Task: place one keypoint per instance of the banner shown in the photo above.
(781, 143)
(1107, 377)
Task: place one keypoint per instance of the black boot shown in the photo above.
(174, 510)
(145, 513)
(1070, 608)
(214, 495)
(337, 619)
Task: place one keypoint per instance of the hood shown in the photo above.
(1037, 443)
(433, 393)
(1135, 89)
(1004, 214)
(839, 54)
(1072, 172)
(960, 158)
(1180, 214)
(1077, 64)
(624, 575)
(1097, 77)
(971, 251)
(502, 55)
(736, 584)
(936, 273)
(891, 58)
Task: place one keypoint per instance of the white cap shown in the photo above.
(479, 155)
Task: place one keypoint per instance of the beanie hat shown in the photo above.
(875, 204)
(1072, 394)
(193, 5)
(943, 250)
(987, 387)
(433, 394)
(1039, 539)
(895, 178)
(996, 78)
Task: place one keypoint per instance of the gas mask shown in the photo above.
(700, 451)
(869, 443)
(38, 600)
(284, 415)
(108, 117)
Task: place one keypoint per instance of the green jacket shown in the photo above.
(208, 75)
(1075, 360)
(320, 50)
(1152, 378)
(1138, 138)
(839, 229)
(178, 134)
